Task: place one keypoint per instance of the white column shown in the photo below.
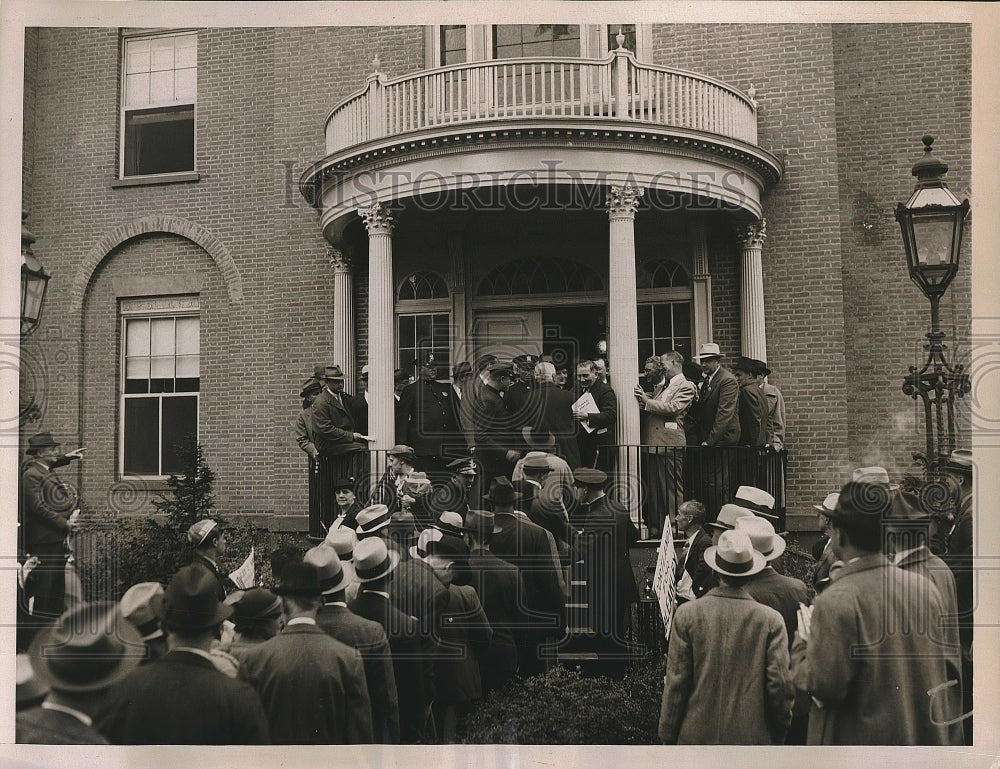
(752, 331)
(623, 334)
(381, 406)
(702, 284)
(343, 316)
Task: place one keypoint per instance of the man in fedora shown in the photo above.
(717, 419)
(78, 659)
(533, 551)
(501, 590)
(550, 412)
(48, 516)
(775, 406)
(822, 550)
(412, 651)
(208, 539)
(462, 381)
(496, 441)
(751, 404)
(425, 418)
(312, 686)
(136, 606)
(518, 395)
(181, 698)
(547, 501)
(726, 630)
(343, 450)
(880, 696)
(364, 635)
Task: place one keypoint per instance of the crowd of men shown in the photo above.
(498, 411)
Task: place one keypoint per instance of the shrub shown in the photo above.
(566, 707)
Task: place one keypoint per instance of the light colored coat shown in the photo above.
(871, 658)
(727, 680)
(668, 405)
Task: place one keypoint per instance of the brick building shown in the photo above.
(195, 193)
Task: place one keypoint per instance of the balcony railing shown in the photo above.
(615, 88)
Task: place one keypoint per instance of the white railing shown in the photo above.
(617, 88)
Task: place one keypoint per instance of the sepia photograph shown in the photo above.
(646, 369)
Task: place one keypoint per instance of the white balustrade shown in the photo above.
(615, 88)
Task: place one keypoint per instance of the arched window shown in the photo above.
(422, 285)
(662, 273)
(543, 276)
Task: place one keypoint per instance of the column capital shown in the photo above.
(753, 234)
(378, 219)
(623, 201)
(340, 259)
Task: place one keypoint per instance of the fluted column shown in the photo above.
(343, 315)
(381, 424)
(752, 331)
(623, 337)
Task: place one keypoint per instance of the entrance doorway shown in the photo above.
(571, 334)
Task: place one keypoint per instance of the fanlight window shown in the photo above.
(662, 273)
(544, 276)
(423, 285)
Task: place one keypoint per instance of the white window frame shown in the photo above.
(124, 108)
(151, 308)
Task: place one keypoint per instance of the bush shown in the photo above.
(565, 707)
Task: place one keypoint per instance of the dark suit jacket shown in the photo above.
(526, 546)
(334, 426)
(607, 404)
(781, 593)
(599, 516)
(465, 635)
(717, 415)
(494, 431)
(412, 661)
(181, 699)
(552, 411)
(753, 412)
(223, 580)
(368, 637)
(501, 592)
(703, 578)
(425, 419)
(45, 506)
(418, 593)
(519, 400)
(312, 686)
(38, 726)
(549, 506)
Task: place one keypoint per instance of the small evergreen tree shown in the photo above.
(191, 497)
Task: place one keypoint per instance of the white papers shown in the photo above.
(587, 405)
(243, 577)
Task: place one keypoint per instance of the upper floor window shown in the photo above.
(453, 43)
(511, 41)
(159, 93)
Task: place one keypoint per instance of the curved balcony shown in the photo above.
(564, 102)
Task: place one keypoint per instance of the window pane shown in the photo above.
(141, 437)
(180, 431)
(137, 90)
(507, 34)
(186, 51)
(187, 366)
(161, 367)
(134, 386)
(162, 53)
(137, 337)
(162, 336)
(423, 329)
(406, 330)
(645, 321)
(187, 384)
(682, 318)
(661, 321)
(645, 350)
(186, 85)
(137, 368)
(188, 336)
(159, 141)
(161, 86)
(137, 56)
(567, 47)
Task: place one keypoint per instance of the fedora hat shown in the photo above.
(372, 519)
(708, 350)
(198, 532)
(502, 492)
(40, 441)
(536, 460)
(735, 555)
(874, 474)
(373, 560)
(538, 440)
(298, 579)
(906, 507)
(749, 365)
(449, 546)
(762, 369)
(332, 372)
(90, 648)
(863, 504)
(590, 476)
(462, 370)
(332, 577)
(481, 522)
(364, 371)
(399, 376)
(419, 551)
(728, 516)
(343, 541)
(960, 460)
(403, 525)
(311, 386)
(757, 500)
(449, 523)
(253, 605)
(762, 536)
(191, 601)
(136, 606)
(343, 483)
(829, 503)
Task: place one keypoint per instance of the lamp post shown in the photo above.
(34, 281)
(932, 222)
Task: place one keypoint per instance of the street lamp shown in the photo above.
(34, 281)
(932, 221)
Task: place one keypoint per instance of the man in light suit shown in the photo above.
(313, 687)
(663, 436)
(718, 424)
